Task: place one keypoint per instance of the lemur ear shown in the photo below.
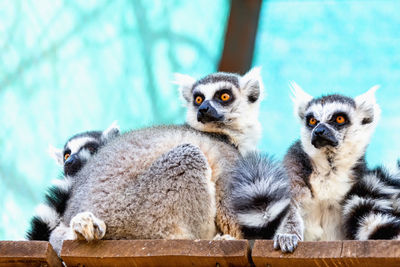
(56, 154)
(111, 132)
(185, 83)
(300, 99)
(251, 83)
(366, 103)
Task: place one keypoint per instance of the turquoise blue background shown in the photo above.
(69, 66)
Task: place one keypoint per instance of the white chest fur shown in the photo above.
(322, 212)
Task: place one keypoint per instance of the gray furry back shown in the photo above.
(259, 195)
(152, 176)
(111, 184)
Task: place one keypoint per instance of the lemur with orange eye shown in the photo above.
(325, 163)
(77, 150)
(171, 182)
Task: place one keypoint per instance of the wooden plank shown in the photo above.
(27, 253)
(307, 254)
(372, 253)
(240, 36)
(156, 253)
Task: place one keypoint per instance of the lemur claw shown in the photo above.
(286, 242)
(87, 227)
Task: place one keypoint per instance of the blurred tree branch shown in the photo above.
(240, 36)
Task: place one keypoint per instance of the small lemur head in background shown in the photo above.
(336, 122)
(225, 103)
(80, 147)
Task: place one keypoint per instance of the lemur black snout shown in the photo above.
(71, 160)
(321, 130)
(208, 113)
(323, 136)
(203, 109)
(72, 165)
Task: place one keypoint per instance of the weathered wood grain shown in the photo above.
(382, 253)
(156, 253)
(306, 254)
(27, 253)
(372, 253)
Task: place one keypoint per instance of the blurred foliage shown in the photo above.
(70, 66)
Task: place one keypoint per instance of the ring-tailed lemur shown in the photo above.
(325, 163)
(77, 150)
(260, 195)
(215, 112)
(169, 182)
(371, 208)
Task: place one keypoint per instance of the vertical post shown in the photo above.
(240, 36)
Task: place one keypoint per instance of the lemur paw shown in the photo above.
(223, 237)
(286, 242)
(87, 227)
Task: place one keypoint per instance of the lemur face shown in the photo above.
(335, 121)
(78, 150)
(221, 100)
(327, 119)
(80, 147)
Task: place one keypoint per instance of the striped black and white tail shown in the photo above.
(78, 149)
(259, 195)
(48, 214)
(371, 208)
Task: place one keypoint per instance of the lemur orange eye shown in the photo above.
(225, 97)
(312, 121)
(198, 100)
(66, 156)
(340, 119)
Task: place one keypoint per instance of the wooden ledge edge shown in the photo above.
(157, 253)
(28, 252)
(332, 249)
(148, 248)
(371, 253)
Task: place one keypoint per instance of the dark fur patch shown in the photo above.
(267, 231)
(219, 93)
(362, 190)
(387, 231)
(218, 77)
(366, 121)
(357, 215)
(360, 168)
(95, 134)
(386, 177)
(39, 230)
(331, 99)
(254, 95)
(57, 199)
